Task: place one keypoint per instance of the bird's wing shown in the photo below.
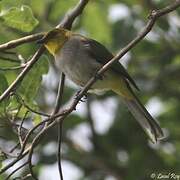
(102, 55)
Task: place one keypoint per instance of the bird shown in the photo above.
(79, 58)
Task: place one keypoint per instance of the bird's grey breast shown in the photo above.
(75, 62)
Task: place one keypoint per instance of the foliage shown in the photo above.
(18, 17)
(121, 151)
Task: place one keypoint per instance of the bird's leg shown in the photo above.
(83, 99)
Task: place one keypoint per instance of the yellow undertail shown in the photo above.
(150, 126)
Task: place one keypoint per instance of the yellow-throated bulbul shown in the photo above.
(79, 58)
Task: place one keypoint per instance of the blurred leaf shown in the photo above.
(7, 130)
(95, 17)
(2, 157)
(120, 29)
(176, 61)
(31, 83)
(72, 121)
(39, 6)
(59, 8)
(3, 87)
(6, 4)
(36, 119)
(20, 18)
(164, 24)
(15, 107)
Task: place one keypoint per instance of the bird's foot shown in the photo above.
(83, 99)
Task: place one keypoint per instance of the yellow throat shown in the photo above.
(55, 39)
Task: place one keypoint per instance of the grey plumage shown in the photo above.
(80, 58)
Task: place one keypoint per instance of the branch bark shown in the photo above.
(20, 41)
(72, 15)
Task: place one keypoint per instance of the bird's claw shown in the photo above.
(83, 99)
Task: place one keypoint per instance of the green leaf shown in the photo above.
(94, 12)
(73, 121)
(20, 18)
(57, 5)
(3, 87)
(37, 119)
(2, 157)
(176, 60)
(6, 4)
(31, 83)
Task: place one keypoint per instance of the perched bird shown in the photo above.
(79, 58)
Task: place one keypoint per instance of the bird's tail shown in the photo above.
(147, 122)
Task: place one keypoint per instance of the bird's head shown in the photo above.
(55, 39)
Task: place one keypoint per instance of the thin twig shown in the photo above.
(22, 102)
(66, 23)
(14, 162)
(13, 68)
(59, 94)
(23, 152)
(56, 110)
(20, 128)
(29, 134)
(14, 148)
(26, 177)
(60, 125)
(23, 73)
(33, 145)
(72, 15)
(59, 158)
(20, 41)
(24, 164)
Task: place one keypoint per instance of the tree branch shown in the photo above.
(23, 73)
(24, 164)
(20, 41)
(72, 15)
(59, 94)
(60, 125)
